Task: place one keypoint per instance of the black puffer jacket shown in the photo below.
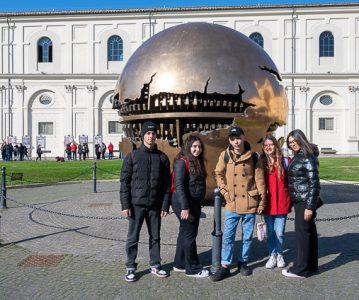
(190, 189)
(303, 179)
(145, 179)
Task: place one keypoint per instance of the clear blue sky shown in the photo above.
(44, 5)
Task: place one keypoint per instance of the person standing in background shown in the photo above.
(110, 150)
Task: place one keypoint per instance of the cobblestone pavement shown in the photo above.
(86, 231)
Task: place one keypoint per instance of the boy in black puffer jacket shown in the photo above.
(145, 187)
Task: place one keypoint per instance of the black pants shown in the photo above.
(306, 237)
(153, 221)
(186, 256)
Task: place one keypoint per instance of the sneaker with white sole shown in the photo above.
(221, 274)
(202, 274)
(159, 272)
(272, 262)
(130, 276)
(280, 261)
(287, 273)
(179, 270)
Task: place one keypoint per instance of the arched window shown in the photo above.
(115, 48)
(257, 38)
(44, 50)
(326, 44)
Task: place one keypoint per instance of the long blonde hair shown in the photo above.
(278, 157)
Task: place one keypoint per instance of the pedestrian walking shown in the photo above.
(38, 152)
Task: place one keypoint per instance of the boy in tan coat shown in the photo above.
(240, 178)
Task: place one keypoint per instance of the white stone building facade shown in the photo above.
(59, 69)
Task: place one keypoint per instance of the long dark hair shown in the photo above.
(196, 164)
(268, 167)
(300, 138)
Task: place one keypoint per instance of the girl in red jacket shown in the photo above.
(278, 199)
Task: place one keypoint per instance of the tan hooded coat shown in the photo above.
(242, 186)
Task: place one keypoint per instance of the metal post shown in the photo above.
(3, 188)
(217, 232)
(94, 177)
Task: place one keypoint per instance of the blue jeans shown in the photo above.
(230, 227)
(275, 230)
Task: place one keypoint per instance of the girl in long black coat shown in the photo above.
(190, 188)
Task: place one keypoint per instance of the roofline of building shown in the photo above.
(68, 77)
(174, 9)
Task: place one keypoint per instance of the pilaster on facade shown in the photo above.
(306, 121)
(352, 116)
(69, 127)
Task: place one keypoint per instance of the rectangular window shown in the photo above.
(46, 128)
(114, 127)
(326, 123)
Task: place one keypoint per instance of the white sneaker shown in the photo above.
(280, 261)
(179, 270)
(287, 273)
(202, 274)
(130, 276)
(272, 262)
(158, 271)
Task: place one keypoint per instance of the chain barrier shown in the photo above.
(331, 219)
(64, 214)
(122, 218)
(108, 172)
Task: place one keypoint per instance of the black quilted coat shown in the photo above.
(303, 179)
(145, 179)
(190, 189)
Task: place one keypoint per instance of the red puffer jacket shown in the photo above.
(278, 198)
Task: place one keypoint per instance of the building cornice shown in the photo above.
(68, 77)
(65, 77)
(174, 9)
(325, 76)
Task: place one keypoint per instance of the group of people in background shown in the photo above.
(74, 151)
(13, 152)
(100, 150)
(250, 184)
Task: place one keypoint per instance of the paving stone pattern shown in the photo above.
(91, 247)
